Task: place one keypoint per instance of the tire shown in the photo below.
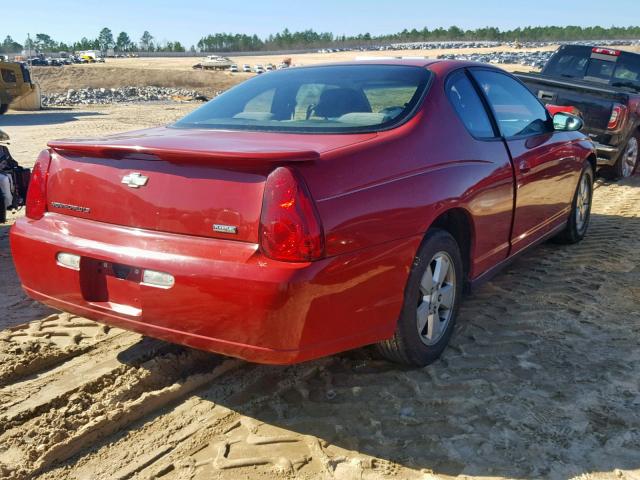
(419, 344)
(578, 222)
(3, 108)
(627, 162)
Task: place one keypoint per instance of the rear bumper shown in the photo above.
(607, 154)
(227, 297)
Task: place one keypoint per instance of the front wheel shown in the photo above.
(580, 215)
(431, 301)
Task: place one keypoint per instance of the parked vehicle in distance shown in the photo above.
(246, 68)
(37, 62)
(312, 210)
(259, 69)
(15, 83)
(233, 68)
(604, 85)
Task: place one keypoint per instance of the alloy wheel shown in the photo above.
(583, 203)
(630, 157)
(437, 298)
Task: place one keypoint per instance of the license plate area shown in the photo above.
(111, 286)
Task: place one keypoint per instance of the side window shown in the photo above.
(627, 68)
(600, 70)
(517, 111)
(8, 76)
(567, 64)
(389, 99)
(468, 106)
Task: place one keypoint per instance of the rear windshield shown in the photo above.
(582, 63)
(329, 99)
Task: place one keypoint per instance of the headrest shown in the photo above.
(335, 102)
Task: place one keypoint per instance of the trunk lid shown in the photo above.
(193, 182)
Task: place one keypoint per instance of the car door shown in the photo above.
(545, 166)
(491, 203)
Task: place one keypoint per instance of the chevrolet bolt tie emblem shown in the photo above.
(135, 180)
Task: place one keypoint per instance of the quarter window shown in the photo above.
(517, 111)
(8, 76)
(468, 106)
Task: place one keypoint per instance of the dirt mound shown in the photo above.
(61, 79)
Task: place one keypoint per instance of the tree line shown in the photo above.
(43, 43)
(239, 42)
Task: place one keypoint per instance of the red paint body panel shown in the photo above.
(227, 298)
(376, 195)
(547, 169)
(553, 109)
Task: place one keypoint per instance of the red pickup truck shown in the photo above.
(308, 211)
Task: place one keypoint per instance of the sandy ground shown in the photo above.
(541, 379)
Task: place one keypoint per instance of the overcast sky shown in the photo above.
(189, 20)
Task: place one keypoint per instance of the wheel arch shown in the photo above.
(459, 223)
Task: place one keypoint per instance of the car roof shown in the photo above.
(414, 62)
(436, 65)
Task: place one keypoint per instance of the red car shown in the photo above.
(307, 211)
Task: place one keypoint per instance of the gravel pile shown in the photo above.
(99, 96)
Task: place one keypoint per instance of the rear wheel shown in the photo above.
(432, 298)
(580, 215)
(627, 162)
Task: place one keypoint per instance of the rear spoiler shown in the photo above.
(175, 155)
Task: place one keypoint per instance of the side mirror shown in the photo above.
(565, 122)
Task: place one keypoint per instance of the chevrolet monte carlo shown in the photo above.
(307, 211)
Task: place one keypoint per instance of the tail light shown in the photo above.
(290, 227)
(36, 204)
(618, 115)
(606, 51)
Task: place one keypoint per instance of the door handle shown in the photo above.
(524, 166)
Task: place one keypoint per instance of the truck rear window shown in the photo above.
(582, 63)
(324, 99)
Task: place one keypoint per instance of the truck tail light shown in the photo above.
(290, 227)
(36, 204)
(618, 115)
(606, 51)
